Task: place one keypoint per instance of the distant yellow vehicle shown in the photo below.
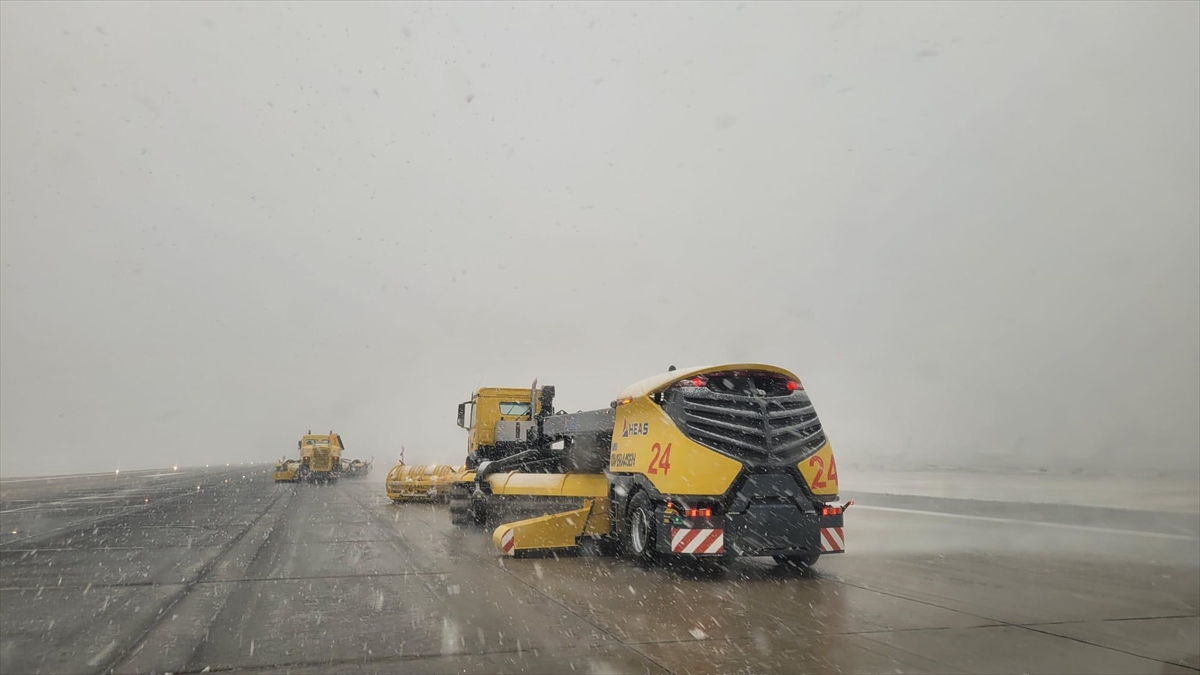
(320, 457)
(419, 482)
(287, 471)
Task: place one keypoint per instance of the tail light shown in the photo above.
(697, 381)
(794, 385)
(831, 510)
(699, 513)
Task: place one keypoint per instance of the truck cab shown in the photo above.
(497, 418)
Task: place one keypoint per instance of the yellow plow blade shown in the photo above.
(557, 530)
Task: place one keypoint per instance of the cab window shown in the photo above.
(513, 408)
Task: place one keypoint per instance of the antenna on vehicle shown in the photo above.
(532, 398)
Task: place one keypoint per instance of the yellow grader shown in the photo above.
(320, 457)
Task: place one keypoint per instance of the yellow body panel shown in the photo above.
(657, 383)
(646, 441)
(557, 530)
(321, 458)
(553, 531)
(549, 484)
(322, 439)
(820, 472)
(419, 481)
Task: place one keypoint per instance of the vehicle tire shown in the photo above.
(458, 510)
(477, 513)
(798, 560)
(638, 534)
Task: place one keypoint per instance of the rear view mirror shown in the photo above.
(462, 413)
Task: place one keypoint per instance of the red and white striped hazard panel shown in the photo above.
(506, 542)
(697, 541)
(832, 540)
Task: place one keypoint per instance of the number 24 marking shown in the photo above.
(661, 459)
(820, 464)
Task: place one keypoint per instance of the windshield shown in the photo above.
(512, 408)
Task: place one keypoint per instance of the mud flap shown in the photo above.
(833, 540)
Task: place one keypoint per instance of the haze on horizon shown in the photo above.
(972, 228)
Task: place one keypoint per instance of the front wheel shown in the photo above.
(458, 512)
(477, 512)
(638, 538)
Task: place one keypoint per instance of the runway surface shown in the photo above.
(219, 569)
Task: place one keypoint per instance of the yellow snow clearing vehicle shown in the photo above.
(419, 482)
(286, 471)
(320, 457)
(719, 461)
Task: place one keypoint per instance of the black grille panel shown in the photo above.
(761, 429)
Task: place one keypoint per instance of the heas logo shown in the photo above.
(635, 429)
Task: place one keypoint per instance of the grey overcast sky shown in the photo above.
(972, 228)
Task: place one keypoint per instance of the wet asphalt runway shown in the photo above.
(222, 570)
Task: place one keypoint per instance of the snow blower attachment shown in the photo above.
(721, 461)
(356, 468)
(286, 471)
(419, 482)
